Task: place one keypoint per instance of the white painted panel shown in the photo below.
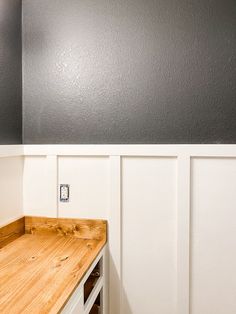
(11, 170)
(88, 178)
(40, 186)
(213, 236)
(149, 235)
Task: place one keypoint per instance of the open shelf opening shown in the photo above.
(91, 281)
(96, 308)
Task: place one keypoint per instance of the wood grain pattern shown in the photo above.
(12, 231)
(78, 228)
(40, 270)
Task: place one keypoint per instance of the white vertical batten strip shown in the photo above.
(114, 219)
(52, 184)
(183, 234)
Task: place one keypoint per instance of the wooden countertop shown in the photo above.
(41, 268)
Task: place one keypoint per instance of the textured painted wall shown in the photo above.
(129, 71)
(10, 72)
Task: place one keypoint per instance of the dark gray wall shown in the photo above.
(10, 72)
(129, 71)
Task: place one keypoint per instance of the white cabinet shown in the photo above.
(89, 297)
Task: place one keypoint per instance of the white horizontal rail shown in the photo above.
(204, 150)
(133, 150)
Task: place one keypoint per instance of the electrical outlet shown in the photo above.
(64, 192)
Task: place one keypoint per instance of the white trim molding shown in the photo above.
(192, 150)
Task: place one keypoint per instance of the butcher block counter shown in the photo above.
(44, 260)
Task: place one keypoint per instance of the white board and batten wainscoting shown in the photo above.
(171, 211)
